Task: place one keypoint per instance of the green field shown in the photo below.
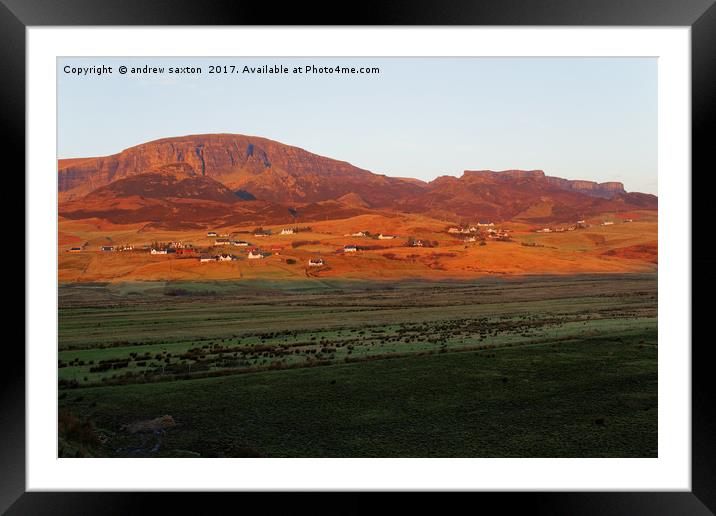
(528, 367)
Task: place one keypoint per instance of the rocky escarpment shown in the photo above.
(266, 169)
(521, 194)
(606, 190)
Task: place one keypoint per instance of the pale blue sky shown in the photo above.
(578, 118)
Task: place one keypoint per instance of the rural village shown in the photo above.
(286, 243)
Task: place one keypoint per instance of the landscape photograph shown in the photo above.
(357, 257)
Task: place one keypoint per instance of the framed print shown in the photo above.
(440, 249)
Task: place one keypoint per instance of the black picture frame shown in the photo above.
(700, 15)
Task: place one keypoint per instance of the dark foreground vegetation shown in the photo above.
(536, 367)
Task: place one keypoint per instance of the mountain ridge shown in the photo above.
(265, 168)
(214, 167)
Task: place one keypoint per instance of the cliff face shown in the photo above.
(521, 195)
(490, 176)
(210, 155)
(606, 190)
(267, 169)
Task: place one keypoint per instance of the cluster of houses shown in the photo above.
(261, 232)
(558, 229)
(254, 254)
(180, 248)
(162, 250)
(154, 249)
(498, 234)
(204, 258)
(170, 250)
(580, 224)
(236, 243)
(258, 232)
(368, 234)
(480, 231)
(108, 248)
(466, 230)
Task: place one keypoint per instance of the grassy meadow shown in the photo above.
(544, 366)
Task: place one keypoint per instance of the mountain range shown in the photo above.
(236, 179)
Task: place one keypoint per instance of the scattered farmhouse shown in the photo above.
(350, 249)
(287, 231)
(240, 243)
(255, 254)
(74, 250)
(543, 230)
(158, 251)
(222, 241)
(262, 233)
(607, 223)
(186, 250)
(211, 234)
(484, 224)
(225, 257)
(359, 234)
(628, 220)
(204, 258)
(315, 262)
(386, 237)
(107, 248)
